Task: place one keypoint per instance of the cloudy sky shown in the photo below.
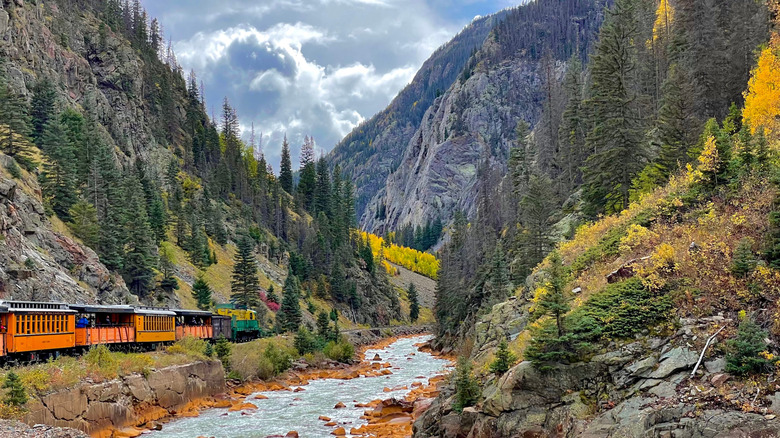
(309, 67)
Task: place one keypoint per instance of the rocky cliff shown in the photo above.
(373, 150)
(135, 400)
(472, 125)
(40, 263)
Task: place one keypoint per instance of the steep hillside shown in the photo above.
(472, 125)
(109, 146)
(373, 150)
(659, 316)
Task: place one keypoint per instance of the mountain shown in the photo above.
(373, 150)
(620, 280)
(472, 125)
(117, 187)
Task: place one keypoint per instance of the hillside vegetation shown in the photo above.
(416, 261)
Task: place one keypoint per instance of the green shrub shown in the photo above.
(278, 357)
(504, 359)
(101, 358)
(190, 346)
(209, 351)
(626, 308)
(744, 261)
(619, 311)
(341, 351)
(16, 396)
(609, 245)
(467, 390)
(265, 369)
(234, 375)
(14, 169)
(745, 352)
(305, 341)
(222, 349)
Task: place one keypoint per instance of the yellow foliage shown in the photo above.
(635, 235)
(709, 160)
(422, 263)
(762, 98)
(664, 17)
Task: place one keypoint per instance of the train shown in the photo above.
(32, 331)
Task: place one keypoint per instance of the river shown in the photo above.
(284, 411)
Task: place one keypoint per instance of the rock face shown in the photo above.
(471, 126)
(38, 263)
(128, 401)
(374, 149)
(638, 389)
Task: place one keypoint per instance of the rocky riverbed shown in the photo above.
(382, 395)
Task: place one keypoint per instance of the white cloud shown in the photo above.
(305, 67)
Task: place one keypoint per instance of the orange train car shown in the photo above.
(154, 325)
(31, 329)
(195, 323)
(104, 324)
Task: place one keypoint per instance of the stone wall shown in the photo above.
(132, 400)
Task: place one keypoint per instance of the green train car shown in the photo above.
(243, 323)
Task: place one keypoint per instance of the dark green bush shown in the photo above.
(504, 359)
(222, 349)
(744, 353)
(467, 390)
(16, 395)
(341, 351)
(279, 358)
(305, 341)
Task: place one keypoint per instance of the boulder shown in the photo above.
(676, 359)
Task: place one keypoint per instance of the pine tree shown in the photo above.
(554, 301)
(84, 223)
(572, 130)
(744, 261)
(41, 106)
(504, 359)
(288, 319)
(245, 284)
(308, 175)
(537, 207)
(615, 139)
(16, 395)
(139, 249)
(520, 159)
(323, 325)
(168, 283)
(285, 171)
(414, 304)
(338, 283)
(59, 170)
(271, 295)
(201, 292)
(14, 125)
(499, 274)
(322, 188)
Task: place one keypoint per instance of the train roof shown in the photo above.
(122, 308)
(32, 306)
(96, 308)
(187, 312)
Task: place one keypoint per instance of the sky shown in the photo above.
(308, 67)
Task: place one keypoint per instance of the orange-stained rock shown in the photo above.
(339, 405)
(331, 423)
(260, 397)
(339, 432)
(324, 418)
(242, 407)
(291, 434)
(299, 389)
(376, 357)
(416, 384)
(386, 372)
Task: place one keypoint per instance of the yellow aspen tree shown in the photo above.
(762, 98)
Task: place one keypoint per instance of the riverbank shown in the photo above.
(130, 405)
(381, 395)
